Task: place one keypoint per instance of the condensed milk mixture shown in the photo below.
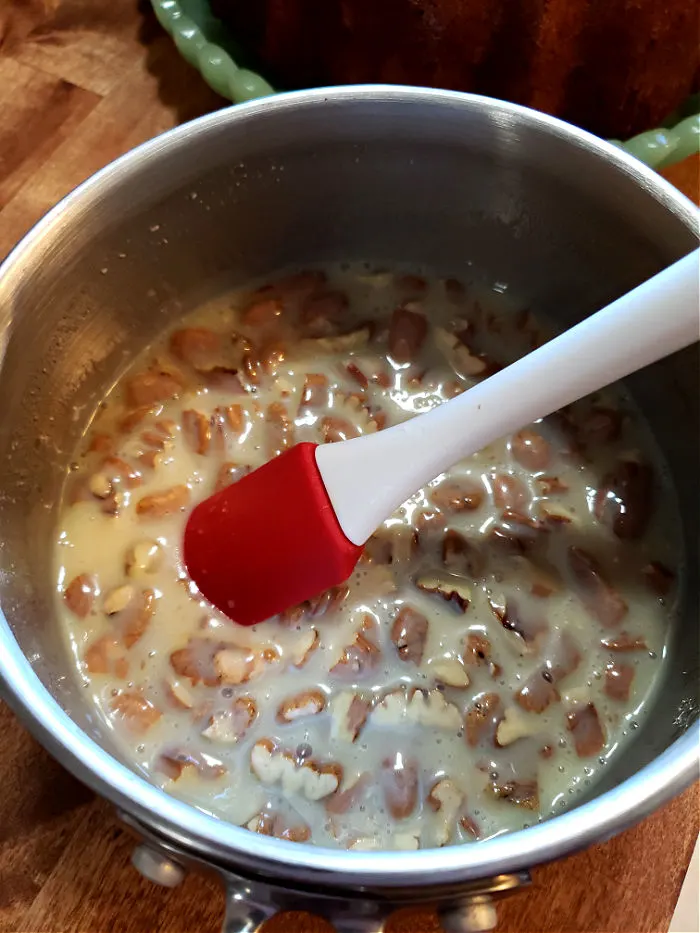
(496, 646)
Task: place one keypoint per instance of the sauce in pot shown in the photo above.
(498, 643)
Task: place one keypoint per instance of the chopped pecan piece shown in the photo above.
(225, 379)
(584, 725)
(356, 373)
(239, 666)
(451, 588)
(198, 346)
(315, 392)
(292, 289)
(409, 633)
(557, 516)
(101, 443)
(618, 680)
(597, 595)
(457, 496)
(520, 793)
(196, 430)
(143, 558)
(137, 713)
(230, 725)
(342, 343)
(624, 642)
(196, 662)
(312, 779)
(531, 450)
(106, 656)
(519, 531)
(625, 498)
(477, 650)
(225, 420)
(321, 314)
(538, 693)
(419, 707)
(509, 492)
(446, 799)
(461, 356)
(262, 312)
(174, 761)
(159, 433)
(178, 694)
(539, 690)
(229, 473)
(301, 705)
(516, 725)
(328, 600)
(450, 672)
(506, 541)
(273, 824)
(161, 504)
(564, 656)
(132, 612)
(399, 783)
(272, 355)
(150, 387)
(119, 472)
(251, 369)
(280, 429)
(360, 656)
(407, 331)
(346, 799)
(427, 520)
(79, 595)
(482, 718)
(551, 485)
(349, 712)
(334, 429)
(378, 549)
(132, 419)
(452, 389)
(541, 578)
(117, 599)
(302, 650)
(527, 625)
(470, 826)
(394, 545)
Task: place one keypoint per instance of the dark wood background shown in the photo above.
(82, 81)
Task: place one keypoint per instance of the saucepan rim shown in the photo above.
(220, 842)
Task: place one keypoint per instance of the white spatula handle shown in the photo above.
(368, 477)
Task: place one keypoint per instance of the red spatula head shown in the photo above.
(269, 541)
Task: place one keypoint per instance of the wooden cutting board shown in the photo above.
(82, 81)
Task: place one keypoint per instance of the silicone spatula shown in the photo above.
(297, 525)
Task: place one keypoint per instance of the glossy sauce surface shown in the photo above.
(499, 641)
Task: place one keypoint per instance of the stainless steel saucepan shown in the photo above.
(467, 186)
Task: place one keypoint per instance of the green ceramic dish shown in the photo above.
(208, 46)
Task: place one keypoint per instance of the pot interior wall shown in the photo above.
(461, 193)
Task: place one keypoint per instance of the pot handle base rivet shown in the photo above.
(157, 867)
(478, 916)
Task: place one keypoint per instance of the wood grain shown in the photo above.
(82, 81)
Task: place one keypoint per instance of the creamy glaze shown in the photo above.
(465, 758)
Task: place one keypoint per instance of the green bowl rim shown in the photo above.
(191, 22)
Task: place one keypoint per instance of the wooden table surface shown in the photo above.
(82, 81)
